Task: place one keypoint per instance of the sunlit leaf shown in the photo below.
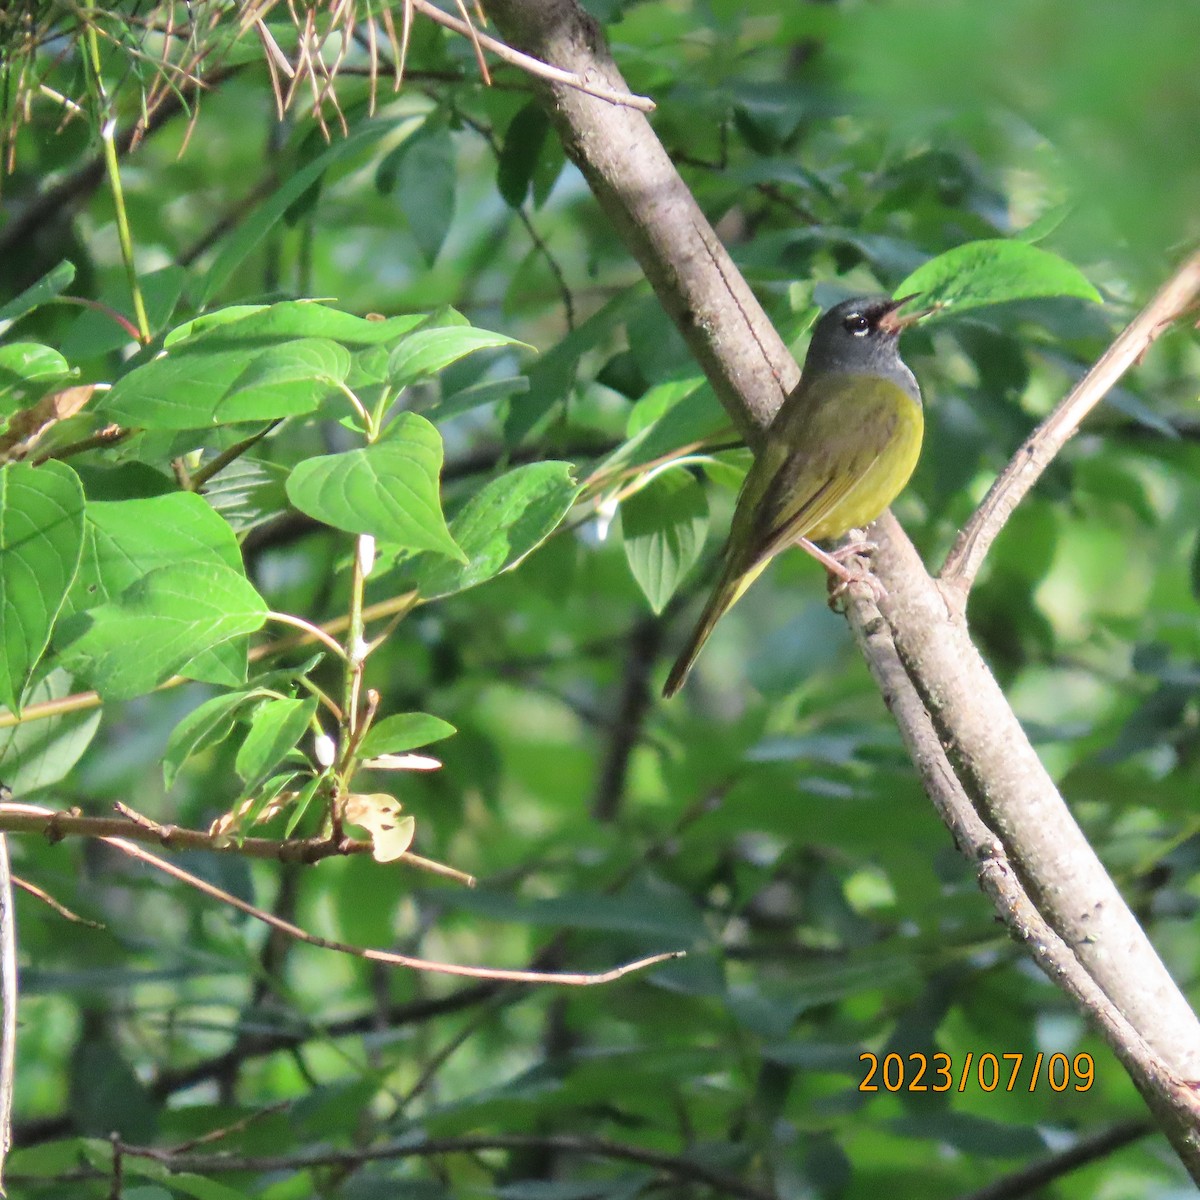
(41, 538)
(664, 525)
(389, 490)
(994, 271)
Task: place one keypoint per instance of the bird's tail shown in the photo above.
(725, 595)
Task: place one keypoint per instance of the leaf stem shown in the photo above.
(108, 127)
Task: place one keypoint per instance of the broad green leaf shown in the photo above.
(994, 271)
(126, 539)
(206, 725)
(422, 174)
(248, 233)
(36, 754)
(27, 370)
(404, 731)
(275, 729)
(664, 526)
(204, 384)
(141, 639)
(50, 285)
(500, 525)
(389, 490)
(225, 664)
(248, 492)
(41, 537)
(288, 320)
(428, 351)
(520, 151)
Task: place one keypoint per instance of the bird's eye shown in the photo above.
(857, 324)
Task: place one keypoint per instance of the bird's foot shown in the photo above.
(849, 565)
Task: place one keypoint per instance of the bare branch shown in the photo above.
(30, 818)
(568, 979)
(681, 1167)
(31, 889)
(1032, 1178)
(1026, 466)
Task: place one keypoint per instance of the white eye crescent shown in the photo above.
(857, 324)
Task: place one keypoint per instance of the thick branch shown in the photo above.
(641, 192)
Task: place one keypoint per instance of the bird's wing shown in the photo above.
(839, 443)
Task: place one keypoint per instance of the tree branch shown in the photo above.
(501, 974)
(1035, 455)
(533, 66)
(674, 1166)
(1035, 1176)
(30, 818)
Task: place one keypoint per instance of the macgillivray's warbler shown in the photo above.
(837, 453)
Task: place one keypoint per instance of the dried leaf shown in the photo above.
(26, 427)
(379, 814)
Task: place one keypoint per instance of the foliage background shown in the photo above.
(768, 821)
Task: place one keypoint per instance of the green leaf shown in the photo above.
(422, 173)
(206, 725)
(389, 490)
(275, 729)
(523, 142)
(404, 731)
(500, 525)
(41, 537)
(34, 296)
(126, 539)
(26, 372)
(288, 320)
(156, 626)
(664, 526)
(36, 754)
(428, 351)
(300, 805)
(248, 492)
(207, 383)
(993, 271)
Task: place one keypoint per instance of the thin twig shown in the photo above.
(534, 66)
(313, 631)
(31, 818)
(1026, 466)
(1036, 1175)
(63, 911)
(567, 979)
(682, 1167)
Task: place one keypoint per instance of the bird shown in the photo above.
(840, 449)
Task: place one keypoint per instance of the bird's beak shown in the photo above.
(892, 322)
